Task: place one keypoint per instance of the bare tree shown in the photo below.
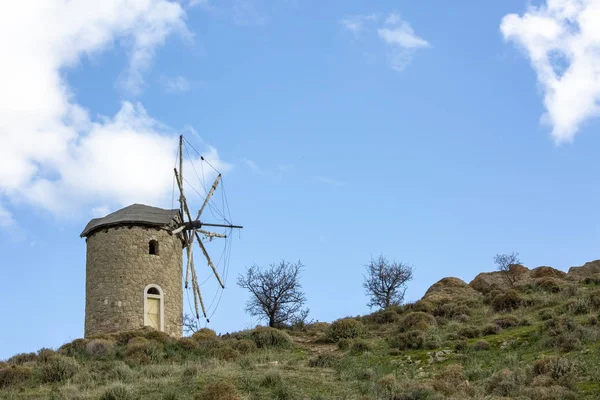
(505, 263)
(276, 293)
(385, 282)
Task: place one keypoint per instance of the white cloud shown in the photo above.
(246, 13)
(52, 154)
(329, 181)
(401, 40)
(356, 23)
(177, 84)
(562, 41)
(6, 218)
(397, 34)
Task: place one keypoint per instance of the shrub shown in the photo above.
(360, 346)
(546, 314)
(451, 310)
(187, 343)
(99, 348)
(265, 337)
(142, 351)
(481, 345)
(592, 281)
(244, 345)
(14, 374)
(565, 342)
(556, 367)
(45, 354)
(432, 342)
(424, 306)
(504, 383)
(124, 337)
(388, 383)
(549, 284)
(221, 390)
(594, 298)
(117, 370)
(507, 321)
(408, 340)
(204, 334)
(383, 317)
(417, 321)
(344, 344)
(461, 345)
(449, 379)
(578, 306)
(347, 328)
(548, 393)
(58, 368)
(593, 320)
(22, 358)
(511, 300)
(117, 392)
(491, 329)
(469, 332)
(323, 360)
(74, 349)
(225, 353)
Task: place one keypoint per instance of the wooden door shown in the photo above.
(152, 317)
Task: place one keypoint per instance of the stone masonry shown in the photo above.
(118, 269)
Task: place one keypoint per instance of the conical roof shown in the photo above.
(135, 214)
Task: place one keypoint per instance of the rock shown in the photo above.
(544, 271)
(586, 270)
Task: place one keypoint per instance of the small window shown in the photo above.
(153, 290)
(153, 247)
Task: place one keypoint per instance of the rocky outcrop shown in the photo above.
(450, 289)
(544, 271)
(588, 269)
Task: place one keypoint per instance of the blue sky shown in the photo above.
(436, 134)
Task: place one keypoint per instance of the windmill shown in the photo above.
(192, 231)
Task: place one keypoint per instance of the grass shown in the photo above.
(415, 351)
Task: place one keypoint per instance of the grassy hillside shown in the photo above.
(538, 339)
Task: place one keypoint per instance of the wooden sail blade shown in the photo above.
(212, 234)
(209, 195)
(178, 229)
(196, 290)
(194, 284)
(189, 241)
(210, 263)
(182, 196)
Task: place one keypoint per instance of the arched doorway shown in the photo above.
(154, 307)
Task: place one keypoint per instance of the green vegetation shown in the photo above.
(536, 338)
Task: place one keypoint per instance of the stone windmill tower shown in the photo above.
(134, 264)
(134, 271)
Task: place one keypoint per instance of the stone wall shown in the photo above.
(118, 269)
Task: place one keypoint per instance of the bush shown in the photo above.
(99, 348)
(491, 329)
(244, 346)
(507, 321)
(22, 358)
(452, 310)
(124, 337)
(187, 343)
(204, 334)
(408, 340)
(347, 328)
(143, 351)
(424, 306)
(549, 284)
(344, 344)
(76, 348)
(221, 390)
(14, 374)
(117, 392)
(546, 314)
(388, 383)
(360, 346)
(449, 379)
(461, 345)
(265, 337)
(271, 379)
(559, 368)
(511, 300)
(417, 321)
(469, 332)
(481, 345)
(594, 298)
(504, 383)
(58, 369)
(323, 360)
(225, 353)
(578, 306)
(383, 317)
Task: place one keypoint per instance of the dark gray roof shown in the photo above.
(135, 214)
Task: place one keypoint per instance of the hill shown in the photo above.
(536, 339)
